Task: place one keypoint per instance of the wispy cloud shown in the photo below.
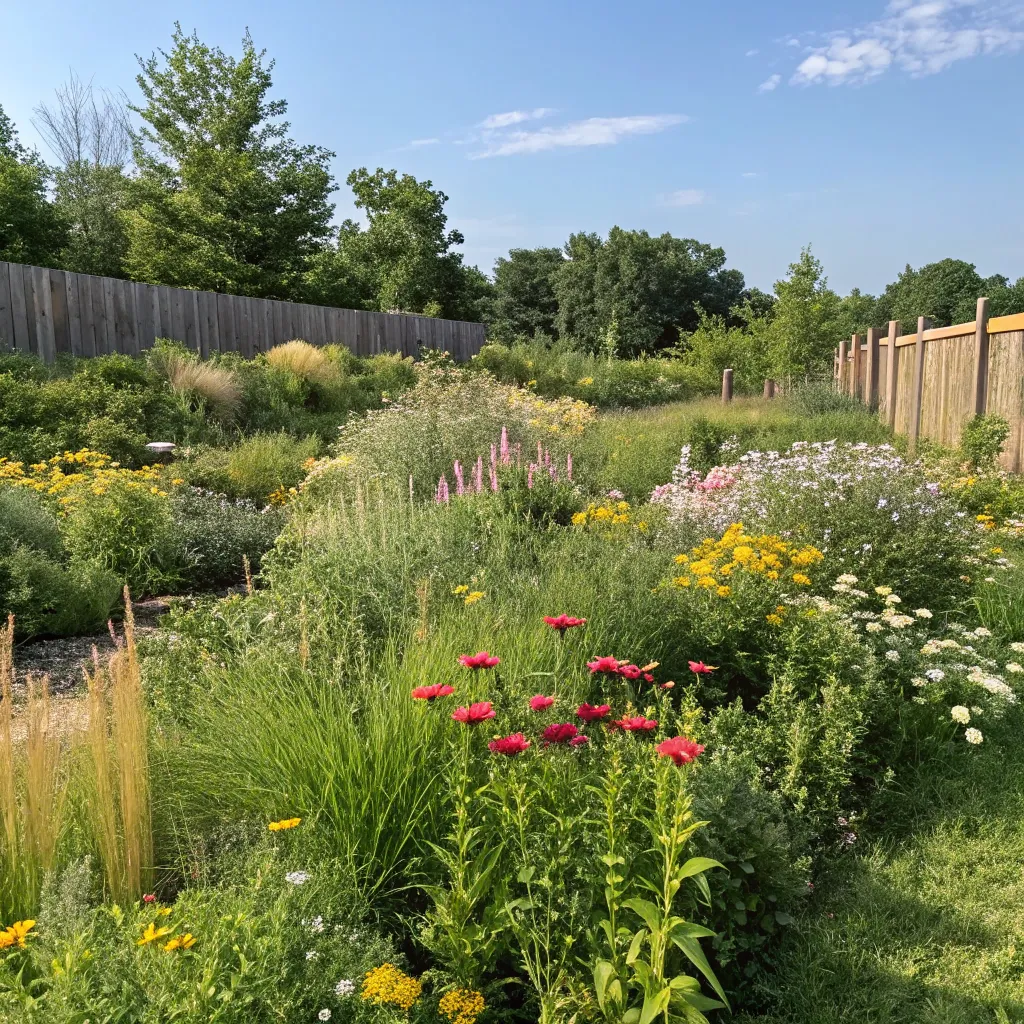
(751, 53)
(424, 142)
(594, 131)
(511, 117)
(685, 197)
(750, 174)
(770, 84)
(920, 37)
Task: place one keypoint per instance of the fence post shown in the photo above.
(916, 396)
(769, 388)
(855, 388)
(727, 385)
(871, 371)
(841, 376)
(979, 387)
(891, 369)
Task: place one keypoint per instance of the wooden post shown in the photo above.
(727, 385)
(923, 323)
(891, 369)
(979, 385)
(841, 376)
(769, 388)
(855, 386)
(871, 371)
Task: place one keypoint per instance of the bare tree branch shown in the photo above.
(85, 125)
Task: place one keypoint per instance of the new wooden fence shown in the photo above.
(929, 383)
(44, 312)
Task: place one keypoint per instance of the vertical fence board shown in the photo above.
(6, 312)
(72, 299)
(59, 305)
(41, 310)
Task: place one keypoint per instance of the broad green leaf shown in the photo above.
(646, 910)
(693, 952)
(653, 1006)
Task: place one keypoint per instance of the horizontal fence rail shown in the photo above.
(930, 382)
(44, 312)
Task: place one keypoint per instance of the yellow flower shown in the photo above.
(585, 381)
(283, 824)
(387, 984)
(460, 589)
(15, 933)
(707, 582)
(186, 941)
(461, 1005)
(152, 933)
(775, 620)
(724, 591)
(177, 481)
(682, 581)
(473, 596)
(163, 912)
(800, 578)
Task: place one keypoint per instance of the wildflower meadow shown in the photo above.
(512, 710)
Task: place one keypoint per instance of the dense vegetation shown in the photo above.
(198, 184)
(312, 799)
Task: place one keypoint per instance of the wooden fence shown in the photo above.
(44, 312)
(931, 382)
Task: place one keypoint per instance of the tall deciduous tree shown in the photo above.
(652, 287)
(525, 301)
(223, 199)
(940, 290)
(31, 230)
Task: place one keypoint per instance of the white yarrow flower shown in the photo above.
(960, 714)
(344, 988)
(883, 591)
(311, 954)
(324, 1014)
(922, 613)
(982, 631)
(1013, 666)
(874, 627)
(936, 675)
(848, 578)
(297, 877)
(892, 655)
(893, 599)
(973, 736)
(1017, 647)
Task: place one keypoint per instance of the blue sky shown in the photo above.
(881, 133)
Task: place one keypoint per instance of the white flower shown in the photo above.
(899, 621)
(922, 613)
(960, 714)
(893, 599)
(892, 655)
(931, 648)
(297, 877)
(311, 954)
(317, 924)
(848, 578)
(874, 627)
(840, 588)
(973, 736)
(1012, 666)
(324, 1014)
(936, 675)
(344, 988)
(883, 591)
(982, 631)
(919, 681)
(1017, 647)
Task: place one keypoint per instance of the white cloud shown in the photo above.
(752, 53)
(920, 38)
(424, 142)
(594, 131)
(512, 117)
(770, 84)
(750, 174)
(685, 197)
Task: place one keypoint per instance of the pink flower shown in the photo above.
(459, 482)
(592, 713)
(667, 686)
(629, 671)
(568, 466)
(540, 702)
(494, 479)
(699, 668)
(605, 666)
(504, 446)
(563, 622)
(509, 745)
(441, 495)
(432, 692)
(479, 660)
(474, 713)
(149, 898)
(680, 749)
(559, 732)
(636, 723)
(529, 476)
(478, 475)
(578, 741)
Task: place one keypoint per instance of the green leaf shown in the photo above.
(695, 865)
(654, 1006)
(604, 975)
(526, 873)
(646, 910)
(634, 946)
(691, 949)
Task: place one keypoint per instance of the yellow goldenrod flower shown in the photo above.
(474, 596)
(388, 985)
(724, 591)
(186, 941)
(775, 620)
(461, 1006)
(801, 579)
(284, 824)
(460, 589)
(152, 933)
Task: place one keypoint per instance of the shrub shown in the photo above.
(982, 440)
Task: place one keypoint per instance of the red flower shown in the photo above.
(432, 692)
(149, 898)
(637, 723)
(563, 622)
(648, 678)
(590, 713)
(540, 702)
(510, 745)
(680, 749)
(560, 732)
(474, 713)
(607, 666)
(479, 660)
(629, 671)
(578, 741)
(699, 668)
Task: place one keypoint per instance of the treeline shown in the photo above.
(198, 184)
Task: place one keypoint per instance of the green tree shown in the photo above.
(90, 136)
(857, 312)
(942, 291)
(654, 287)
(807, 323)
(31, 229)
(222, 198)
(525, 301)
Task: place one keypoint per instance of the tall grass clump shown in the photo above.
(202, 383)
(305, 361)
